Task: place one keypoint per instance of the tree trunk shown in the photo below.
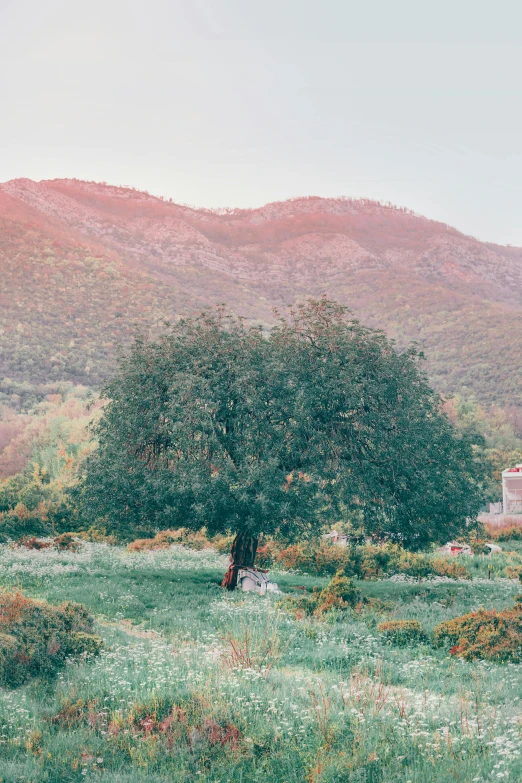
(243, 554)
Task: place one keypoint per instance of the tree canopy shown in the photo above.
(221, 425)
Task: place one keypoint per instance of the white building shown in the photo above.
(512, 490)
(337, 538)
(453, 548)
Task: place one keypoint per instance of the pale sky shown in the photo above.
(234, 103)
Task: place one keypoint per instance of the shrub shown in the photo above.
(494, 635)
(64, 542)
(364, 562)
(31, 542)
(340, 593)
(148, 544)
(165, 538)
(513, 533)
(223, 544)
(300, 606)
(510, 528)
(194, 540)
(320, 559)
(330, 559)
(297, 557)
(67, 542)
(96, 535)
(266, 554)
(415, 565)
(478, 545)
(513, 571)
(402, 632)
(36, 638)
(450, 567)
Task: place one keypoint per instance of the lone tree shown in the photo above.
(218, 425)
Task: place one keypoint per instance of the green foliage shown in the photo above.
(508, 533)
(67, 541)
(39, 457)
(96, 535)
(340, 591)
(165, 538)
(493, 635)
(496, 434)
(339, 594)
(337, 704)
(311, 557)
(36, 638)
(60, 316)
(402, 633)
(217, 425)
(364, 561)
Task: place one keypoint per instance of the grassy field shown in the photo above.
(198, 685)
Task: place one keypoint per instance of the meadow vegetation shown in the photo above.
(122, 658)
(195, 683)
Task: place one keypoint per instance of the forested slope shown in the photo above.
(83, 265)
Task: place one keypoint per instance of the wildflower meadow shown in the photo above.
(193, 683)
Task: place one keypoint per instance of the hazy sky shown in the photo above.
(236, 103)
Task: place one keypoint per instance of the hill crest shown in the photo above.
(145, 258)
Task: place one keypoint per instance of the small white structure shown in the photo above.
(494, 549)
(341, 539)
(512, 490)
(251, 579)
(453, 548)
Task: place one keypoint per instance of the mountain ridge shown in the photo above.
(105, 254)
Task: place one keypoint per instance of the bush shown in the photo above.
(266, 554)
(330, 559)
(67, 542)
(402, 632)
(64, 542)
(31, 542)
(510, 530)
(298, 557)
(511, 533)
(96, 535)
(450, 567)
(300, 606)
(340, 593)
(319, 559)
(364, 562)
(148, 544)
(493, 635)
(37, 638)
(513, 571)
(223, 544)
(419, 566)
(165, 538)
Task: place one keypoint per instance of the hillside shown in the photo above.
(83, 263)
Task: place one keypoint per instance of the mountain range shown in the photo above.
(84, 264)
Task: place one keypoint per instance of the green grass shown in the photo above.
(511, 546)
(257, 696)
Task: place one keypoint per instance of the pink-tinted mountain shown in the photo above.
(84, 263)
